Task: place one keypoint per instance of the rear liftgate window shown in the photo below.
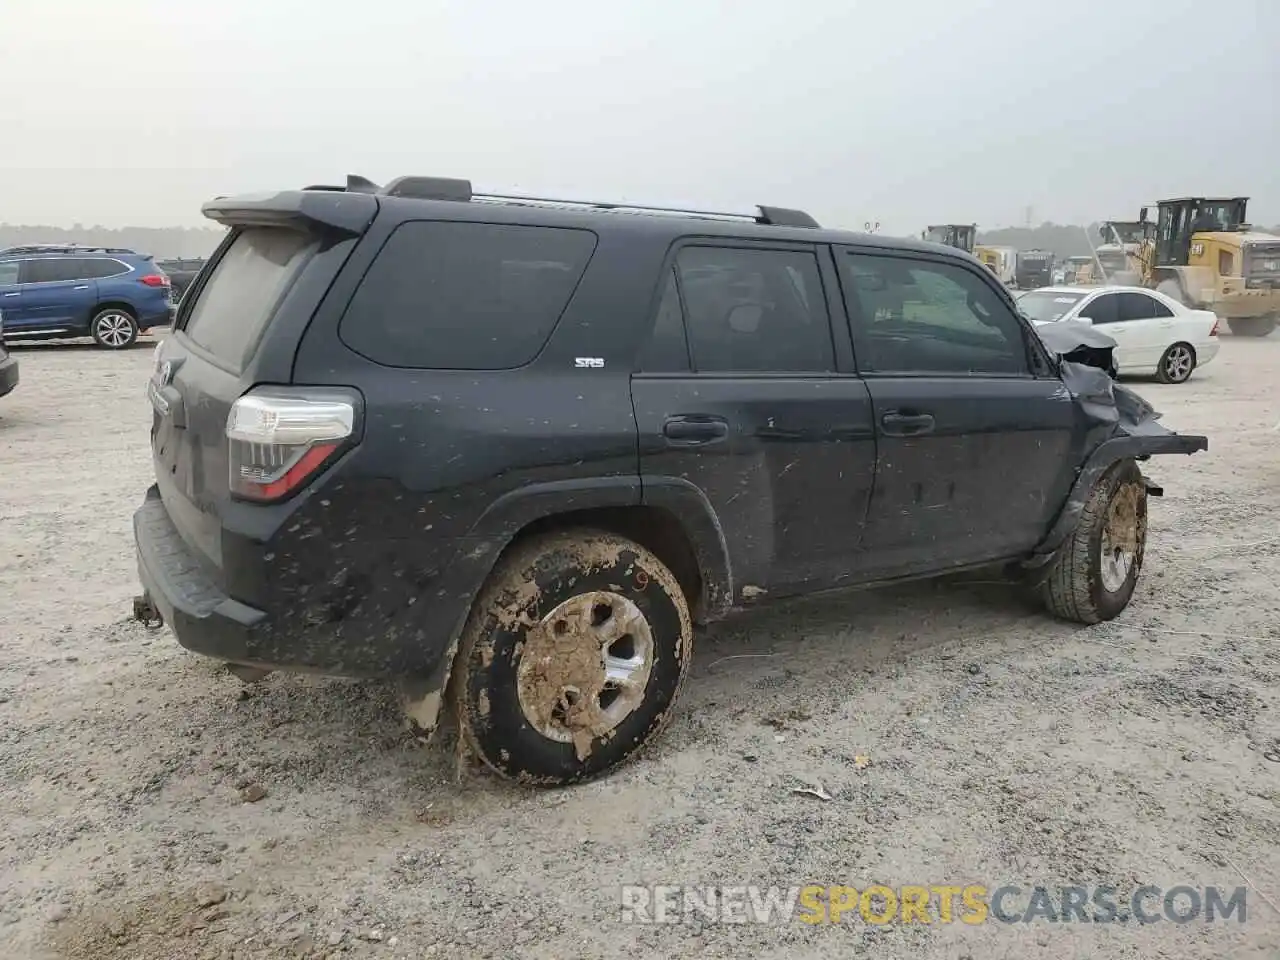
(465, 296)
(242, 292)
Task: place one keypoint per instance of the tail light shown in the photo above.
(154, 280)
(278, 440)
(1214, 331)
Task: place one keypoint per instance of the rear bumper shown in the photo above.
(299, 632)
(203, 618)
(1206, 351)
(8, 375)
(160, 317)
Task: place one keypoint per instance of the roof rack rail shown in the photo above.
(66, 248)
(447, 188)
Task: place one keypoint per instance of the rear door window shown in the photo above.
(1136, 306)
(755, 310)
(465, 296)
(45, 271)
(242, 292)
(8, 274)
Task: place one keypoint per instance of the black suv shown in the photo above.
(181, 272)
(514, 449)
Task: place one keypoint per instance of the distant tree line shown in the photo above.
(161, 242)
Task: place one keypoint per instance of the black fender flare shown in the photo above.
(478, 551)
(1106, 455)
(685, 501)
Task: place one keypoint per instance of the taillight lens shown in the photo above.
(154, 280)
(277, 440)
(1214, 331)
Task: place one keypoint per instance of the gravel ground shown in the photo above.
(153, 807)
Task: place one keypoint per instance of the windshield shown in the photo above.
(1217, 215)
(1046, 306)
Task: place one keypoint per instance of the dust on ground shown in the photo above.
(153, 807)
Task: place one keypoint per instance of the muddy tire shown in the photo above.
(1093, 575)
(571, 660)
(1176, 364)
(1252, 326)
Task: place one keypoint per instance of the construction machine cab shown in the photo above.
(1125, 232)
(1182, 218)
(958, 235)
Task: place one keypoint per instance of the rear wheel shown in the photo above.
(114, 328)
(1252, 326)
(1093, 575)
(572, 658)
(1176, 364)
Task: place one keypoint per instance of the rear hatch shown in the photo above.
(235, 336)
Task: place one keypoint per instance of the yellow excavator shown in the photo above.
(958, 235)
(1205, 254)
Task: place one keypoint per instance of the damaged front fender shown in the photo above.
(1119, 424)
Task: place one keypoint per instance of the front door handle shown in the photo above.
(83, 286)
(907, 424)
(11, 294)
(695, 429)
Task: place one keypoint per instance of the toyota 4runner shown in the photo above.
(514, 449)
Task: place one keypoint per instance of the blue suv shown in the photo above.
(109, 293)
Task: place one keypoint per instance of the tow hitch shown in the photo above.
(145, 611)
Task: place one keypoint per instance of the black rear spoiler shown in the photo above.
(348, 213)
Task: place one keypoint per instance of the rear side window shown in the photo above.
(465, 296)
(8, 274)
(99, 269)
(242, 292)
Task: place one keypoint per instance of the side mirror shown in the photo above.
(1087, 321)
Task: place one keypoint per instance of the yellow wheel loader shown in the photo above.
(1206, 255)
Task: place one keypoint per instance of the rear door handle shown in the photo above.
(907, 424)
(11, 294)
(695, 429)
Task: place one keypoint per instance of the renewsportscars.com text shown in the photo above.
(971, 904)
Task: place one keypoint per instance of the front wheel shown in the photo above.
(1176, 364)
(114, 329)
(1252, 326)
(572, 658)
(1093, 575)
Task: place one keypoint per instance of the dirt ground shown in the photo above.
(962, 736)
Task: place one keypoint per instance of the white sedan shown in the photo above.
(1154, 334)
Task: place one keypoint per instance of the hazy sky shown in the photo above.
(902, 111)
